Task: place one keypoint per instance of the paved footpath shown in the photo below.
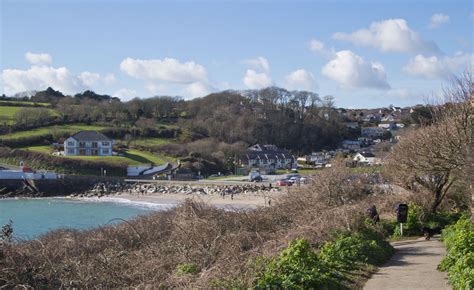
(412, 267)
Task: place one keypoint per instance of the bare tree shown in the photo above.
(434, 157)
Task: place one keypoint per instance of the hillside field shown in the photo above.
(7, 114)
(131, 157)
(73, 128)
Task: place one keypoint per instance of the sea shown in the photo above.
(32, 217)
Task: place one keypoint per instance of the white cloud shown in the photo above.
(41, 77)
(316, 45)
(391, 35)
(168, 69)
(351, 71)
(156, 89)
(197, 89)
(300, 80)
(439, 67)
(88, 78)
(109, 79)
(437, 19)
(259, 63)
(125, 94)
(38, 58)
(254, 80)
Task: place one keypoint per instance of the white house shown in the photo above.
(88, 143)
(268, 158)
(365, 158)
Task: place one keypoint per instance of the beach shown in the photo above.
(247, 200)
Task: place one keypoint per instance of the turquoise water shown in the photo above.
(33, 217)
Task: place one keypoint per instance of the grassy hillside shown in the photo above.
(72, 128)
(130, 157)
(24, 103)
(7, 113)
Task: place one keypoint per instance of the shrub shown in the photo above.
(352, 251)
(298, 267)
(459, 261)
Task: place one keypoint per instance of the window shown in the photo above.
(105, 143)
(71, 151)
(95, 145)
(70, 143)
(94, 152)
(105, 151)
(82, 144)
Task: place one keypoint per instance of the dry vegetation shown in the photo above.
(193, 245)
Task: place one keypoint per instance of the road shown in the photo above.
(412, 267)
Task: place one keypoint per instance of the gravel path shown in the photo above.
(412, 267)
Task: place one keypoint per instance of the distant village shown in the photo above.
(376, 126)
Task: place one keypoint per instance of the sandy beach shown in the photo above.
(249, 200)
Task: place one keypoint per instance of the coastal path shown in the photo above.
(412, 267)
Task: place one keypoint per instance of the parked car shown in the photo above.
(304, 179)
(257, 179)
(283, 182)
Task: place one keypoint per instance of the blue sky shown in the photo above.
(365, 53)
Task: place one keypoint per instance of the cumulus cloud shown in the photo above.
(392, 35)
(41, 77)
(89, 78)
(300, 79)
(437, 19)
(352, 71)
(255, 80)
(259, 63)
(167, 69)
(38, 58)
(125, 94)
(433, 67)
(197, 89)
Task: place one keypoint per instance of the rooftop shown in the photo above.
(90, 136)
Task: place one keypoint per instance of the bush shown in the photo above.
(352, 251)
(459, 261)
(298, 267)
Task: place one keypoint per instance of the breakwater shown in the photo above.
(96, 186)
(108, 188)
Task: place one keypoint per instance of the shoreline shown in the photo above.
(248, 200)
(169, 200)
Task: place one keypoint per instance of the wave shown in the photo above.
(119, 200)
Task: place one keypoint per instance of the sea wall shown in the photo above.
(59, 187)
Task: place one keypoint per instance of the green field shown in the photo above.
(19, 103)
(152, 141)
(73, 128)
(7, 114)
(131, 157)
